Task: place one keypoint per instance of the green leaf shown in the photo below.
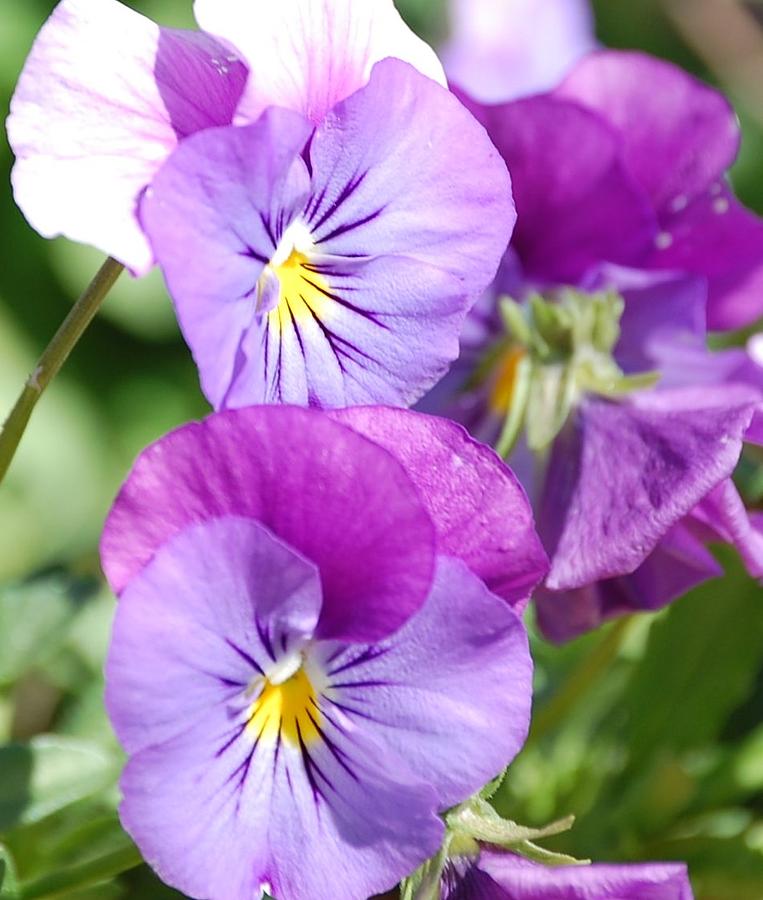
(48, 774)
(33, 620)
(701, 662)
(8, 882)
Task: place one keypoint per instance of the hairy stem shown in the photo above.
(55, 355)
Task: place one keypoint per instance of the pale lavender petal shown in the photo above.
(219, 812)
(232, 597)
(450, 693)
(339, 500)
(677, 564)
(603, 512)
(104, 98)
(660, 113)
(215, 214)
(480, 510)
(525, 880)
(553, 240)
(311, 54)
(503, 49)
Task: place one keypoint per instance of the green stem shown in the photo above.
(81, 876)
(55, 355)
(576, 686)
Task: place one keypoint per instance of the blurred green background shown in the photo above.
(650, 731)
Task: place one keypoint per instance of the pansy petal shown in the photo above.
(224, 819)
(503, 49)
(450, 692)
(525, 880)
(228, 592)
(480, 510)
(677, 564)
(571, 216)
(603, 513)
(342, 502)
(214, 214)
(104, 98)
(660, 113)
(311, 54)
(717, 238)
(723, 515)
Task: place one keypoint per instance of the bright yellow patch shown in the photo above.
(505, 380)
(303, 292)
(286, 709)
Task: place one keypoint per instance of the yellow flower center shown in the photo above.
(303, 292)
(289, 710)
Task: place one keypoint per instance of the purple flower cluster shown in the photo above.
(318, 650)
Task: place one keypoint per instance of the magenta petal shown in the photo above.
(342, 502)
(603, 512)
(103, 99)
(677, 564)
(571, 216)
(722, 516)
(480, 510)
(450, 693)
(716, 237)
(524, 880)
(660, 113)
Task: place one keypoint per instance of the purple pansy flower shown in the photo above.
(106, 95)
(626, 454)
(307, 665)
(504, 876)
(332, 266)
(322, 243)
(503, 49)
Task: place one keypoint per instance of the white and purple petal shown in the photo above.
(104, 98)
(310, 55)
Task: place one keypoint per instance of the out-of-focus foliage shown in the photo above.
(649, 731)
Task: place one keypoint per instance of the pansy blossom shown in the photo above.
(307, 665)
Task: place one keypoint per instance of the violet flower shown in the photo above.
(615, 260)
(106, 95)
(323, 248)
(504, 876)
(503, 49)
(306, 665)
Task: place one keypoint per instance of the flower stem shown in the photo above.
(593, 667)
(53, 358)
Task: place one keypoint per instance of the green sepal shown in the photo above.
(622, 385)
(547, 857)
(515, 321)
(424, 884)
(552, 396)
(478, 821)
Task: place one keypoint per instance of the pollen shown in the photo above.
(505, 381)
(288, 711)
(303, 291)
